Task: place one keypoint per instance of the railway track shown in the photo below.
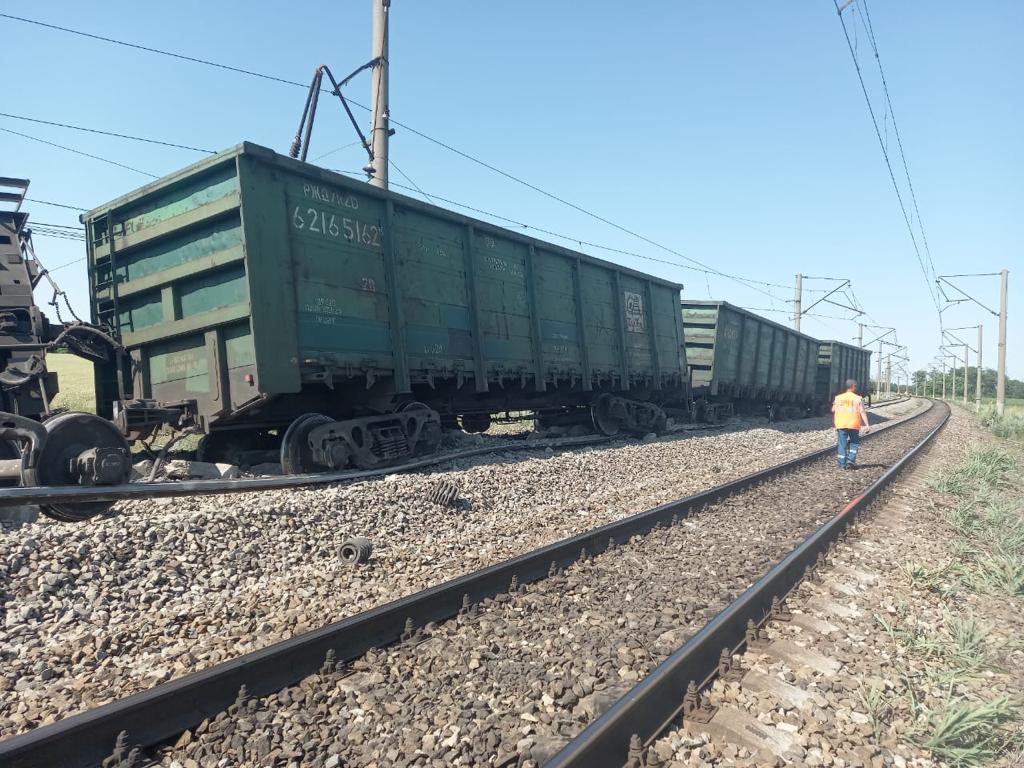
(817, 646)
(80, 494)
(155, 718)
(622, 734)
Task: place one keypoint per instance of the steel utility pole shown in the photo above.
(797, 298)
(380, 131)
(977, 382)
(1001, 376)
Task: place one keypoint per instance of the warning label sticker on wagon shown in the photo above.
(634, 304)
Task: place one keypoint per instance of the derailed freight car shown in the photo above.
(263, 300)
(741, 361)
(837, 363)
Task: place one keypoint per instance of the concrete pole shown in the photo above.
(977, 382)
(860, 334)
(379, 129)
(952, 378)
(965, 377)
(797, 298)
(1001, 375)
(878, 375)
(943, 379)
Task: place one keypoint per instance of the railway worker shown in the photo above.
(848, 414)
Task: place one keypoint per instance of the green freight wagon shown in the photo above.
(253, 294)
(738, 360)
(838, 362)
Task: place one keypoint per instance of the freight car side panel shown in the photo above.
(249, 275)
(838, 362)
(601, 321)
(431, 266)
(557, 314)
(499, 266)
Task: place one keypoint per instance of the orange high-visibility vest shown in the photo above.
(846, 408)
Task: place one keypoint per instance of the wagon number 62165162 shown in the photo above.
(331, 225)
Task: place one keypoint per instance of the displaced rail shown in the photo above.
(152, 717)
(73, 494)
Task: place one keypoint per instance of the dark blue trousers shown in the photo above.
(849, 442)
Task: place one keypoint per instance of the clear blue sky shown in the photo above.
(734, 133)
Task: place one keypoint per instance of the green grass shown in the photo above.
(74, 377)
(964, 733)
(949, 715)
(1009, 426)
(984, 467)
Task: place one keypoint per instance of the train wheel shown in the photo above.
(296, 453)
(604, 421)
(475, 422)
(63, 461)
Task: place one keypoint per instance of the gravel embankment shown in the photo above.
(93, 612)
(513, 684)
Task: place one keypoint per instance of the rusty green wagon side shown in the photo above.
(250, 289)
(738, 357)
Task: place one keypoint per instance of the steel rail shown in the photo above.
(655, 703)
(72, 494)
(152, 717)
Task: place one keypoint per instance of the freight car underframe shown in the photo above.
(710, 408)
(88, 450)
(317, 430)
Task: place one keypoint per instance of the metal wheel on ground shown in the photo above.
(80, 449)
(601, 413)
(296, 453)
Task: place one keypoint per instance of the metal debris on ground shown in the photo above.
(444, 494)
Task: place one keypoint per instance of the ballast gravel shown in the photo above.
(93, 612)
(511, 683)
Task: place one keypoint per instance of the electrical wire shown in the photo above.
(414, 184)
(55, 205)
(704, 268)
(896, 130)
(107, 133)
(747, 282)
(57, 226)
(172, 55)
(541, 230)
(79, 152)
(336, 149)
(885, 155)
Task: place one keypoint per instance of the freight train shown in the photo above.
(266, 303)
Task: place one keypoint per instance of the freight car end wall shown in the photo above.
(254, 284)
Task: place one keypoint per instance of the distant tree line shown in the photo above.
(1014, 387)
